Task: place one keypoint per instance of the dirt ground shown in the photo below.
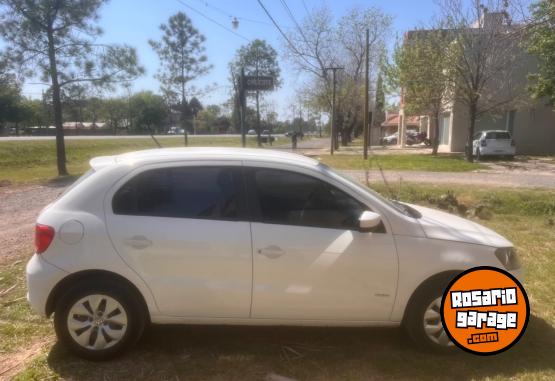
(19, 208)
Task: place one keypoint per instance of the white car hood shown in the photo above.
(440, 225)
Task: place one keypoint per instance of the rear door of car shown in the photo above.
(183, 229)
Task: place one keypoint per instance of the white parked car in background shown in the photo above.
(239, 236)
(493, 143)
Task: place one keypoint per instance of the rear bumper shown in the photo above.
(41, 279)
(490, 151)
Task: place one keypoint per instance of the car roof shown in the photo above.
(161, 155)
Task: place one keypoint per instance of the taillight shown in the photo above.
(483, 143)
(44, 235)
(513, 143)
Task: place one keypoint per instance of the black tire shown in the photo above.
(136, 319)
(413, 321)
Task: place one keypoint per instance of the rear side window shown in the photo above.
(290, 198)
(498, 135)
(184, 192)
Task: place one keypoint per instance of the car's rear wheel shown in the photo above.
(98, 322)
(423, 319)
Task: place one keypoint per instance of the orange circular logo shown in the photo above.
(485, 310)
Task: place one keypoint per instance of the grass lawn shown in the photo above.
(408, 162)
(30, 161)
(251, 353)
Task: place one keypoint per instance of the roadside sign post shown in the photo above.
(252, 83)
(258, 83)
(242, 107)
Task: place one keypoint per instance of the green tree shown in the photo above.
(74, 100)
(540, 40)
(55, 40)
(116, 113)
(208, 118)
(419, 73)
(10, 96)
(181, 52)
(257, 58)
(485, 59)
(149, 111)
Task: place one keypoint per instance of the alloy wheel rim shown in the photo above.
(97, 322)
(433, 327)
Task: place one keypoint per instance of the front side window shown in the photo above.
(290, 198)
(181, 192)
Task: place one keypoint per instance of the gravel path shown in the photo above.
(19, 208)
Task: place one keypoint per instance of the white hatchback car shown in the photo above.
(493, 143)
(239, 236)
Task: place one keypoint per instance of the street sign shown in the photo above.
(256, 83)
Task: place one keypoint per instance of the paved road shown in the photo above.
(87, 137)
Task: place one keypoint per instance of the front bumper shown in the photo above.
(42, 277)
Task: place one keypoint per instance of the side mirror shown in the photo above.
(369, 220)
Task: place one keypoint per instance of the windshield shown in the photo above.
(395, 204)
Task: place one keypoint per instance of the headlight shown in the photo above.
(508, 257)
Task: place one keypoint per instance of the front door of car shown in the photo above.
(311, 262)
(182, 229)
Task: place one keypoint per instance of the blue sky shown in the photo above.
(136, 21)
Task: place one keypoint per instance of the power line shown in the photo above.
(284, 3)
(286, 38)
(224, 12)
(214, 21)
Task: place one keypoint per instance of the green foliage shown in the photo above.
(419, 68)
(257, 57)
(31, 27)
(541, 43)
(149, 111)
(55, 40)
(181, 53)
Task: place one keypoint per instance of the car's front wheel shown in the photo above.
(423, 319)
(98, 321)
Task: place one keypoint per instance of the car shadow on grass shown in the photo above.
(252, 353)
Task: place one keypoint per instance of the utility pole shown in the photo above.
(242, 107)
(366, 85)
(333, 127)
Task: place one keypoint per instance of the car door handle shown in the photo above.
(271, 252)
(138, 242)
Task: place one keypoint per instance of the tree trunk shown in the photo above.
(472, 109)
(258, 117)
(435, 140)
(344, 137)
(57, 104)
